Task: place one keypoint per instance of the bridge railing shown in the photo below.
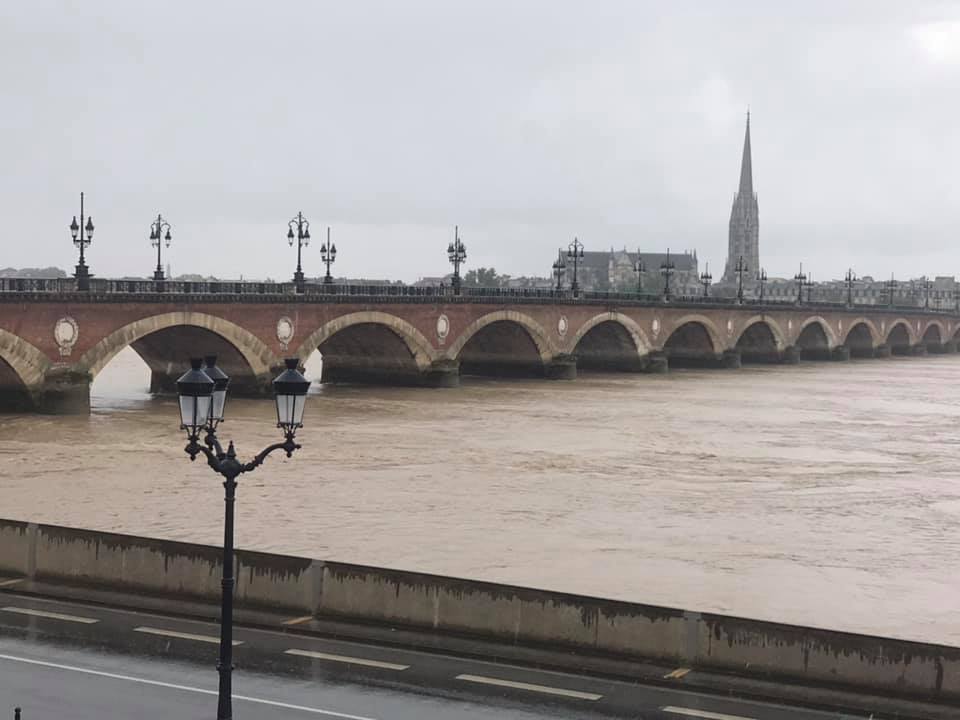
(410, 293)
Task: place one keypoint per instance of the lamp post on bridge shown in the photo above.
(302, 238)
(328, 253)
(927, 285)
(82, 273)
(575, 253)
(705, 279)
(667, 269)
(559, 269)
(639, 268)
(850, 279)
(456, 254)
(740, 269)
(157, 239)
(763, 283)
(203, 394)
(809, 285)
(801, 278)
(956, 297)
(891, 290)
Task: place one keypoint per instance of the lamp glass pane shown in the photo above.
(299, 403)
(284, 410)
(203, 410)
(186, 410)
(219, 401)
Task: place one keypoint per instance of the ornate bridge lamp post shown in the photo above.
(801, 278)
(763, 283)
(891, 290)
(809, 285)
(740, 269)
(302, 238)
(850, 279)
(328, 253)
(575, 254)
(640, 269)
(157, 239)
(456, 254)
(82, 273)
(927, 285)
(203, 393)
(667, 269)
(559, 269)
(705, 279)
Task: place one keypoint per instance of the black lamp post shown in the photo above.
(705, 279)
(202, 394)
(157, 239)
(82, 241)
(575, 253)
(763, 283)
(927, 286)
(302, 237)
(891, 290)
(328, 253)
(850, 278)
(801, 278)
(639, 268)
(456, 254)
(559, 269)
(667, 269)
(740, 269)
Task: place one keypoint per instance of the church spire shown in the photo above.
(746, 165)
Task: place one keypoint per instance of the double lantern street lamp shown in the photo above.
(705, 279)
(85, 233)
(740, 268)
(157, 239)
(328, 253)
(575, 254)
(667, 268)
(302, 238)
(559, 269)
(639, 268)
(202, 393)
(456, 254)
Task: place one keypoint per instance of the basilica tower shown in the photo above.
(744, 238)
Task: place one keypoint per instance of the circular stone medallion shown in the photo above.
(443, 327)
(562, 325)
(285, 331)
(65, 332)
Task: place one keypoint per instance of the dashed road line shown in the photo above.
(298, 620)
(529, 686)
(51, 615)
(676, 674)
(346, 659)
(705, 714)
(182, 635)
(186, 688)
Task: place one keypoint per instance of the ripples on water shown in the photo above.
(824, 494)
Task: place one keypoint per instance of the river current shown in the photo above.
(824, 494)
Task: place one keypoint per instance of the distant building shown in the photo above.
(743, 239)
(615, 271)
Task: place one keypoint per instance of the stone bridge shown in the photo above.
(53, 345)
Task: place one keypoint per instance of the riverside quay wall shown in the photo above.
(506, 614)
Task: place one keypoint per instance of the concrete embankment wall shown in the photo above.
(505, 613)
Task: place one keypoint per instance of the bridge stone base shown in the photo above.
(840, 353)
(63, 392)
(882, 351)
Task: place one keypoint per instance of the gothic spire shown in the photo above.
(746, 165)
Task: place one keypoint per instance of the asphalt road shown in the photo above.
(82, 662)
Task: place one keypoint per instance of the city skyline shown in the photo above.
(601, 140)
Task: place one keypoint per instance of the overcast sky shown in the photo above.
(525, 122)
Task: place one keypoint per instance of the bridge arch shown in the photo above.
(901, 337)
(862, 338)
(22, 368)
(934, 335)
(761, 340)
(161, 340)
(694, 342)
(370, 346)
(503, 343)
(815, 339)
(610, 341)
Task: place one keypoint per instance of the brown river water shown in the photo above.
(825, 494)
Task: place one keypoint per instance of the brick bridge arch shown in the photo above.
(761, 340)
(503, 343)
(694, 340)
(245, 357)
(862, 338)
(26, 361)
(610, 341)
(901, 336)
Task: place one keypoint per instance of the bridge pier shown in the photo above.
(63, 392)
(941, 348)
(790, 355)
(840, 353)
(730, 359)
(882, 351)
(562, 367)
(918, 349)
(656, 362)
(949, 347)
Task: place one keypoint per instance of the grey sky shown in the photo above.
(524, 122)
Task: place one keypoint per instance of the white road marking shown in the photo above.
(528, 686)
(346, 659)
(11, 582)
(297, 620)
(182, 635)
(706, 714)
(185, 688)
(677, 674)
(52, 615)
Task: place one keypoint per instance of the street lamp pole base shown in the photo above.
(82, 275)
